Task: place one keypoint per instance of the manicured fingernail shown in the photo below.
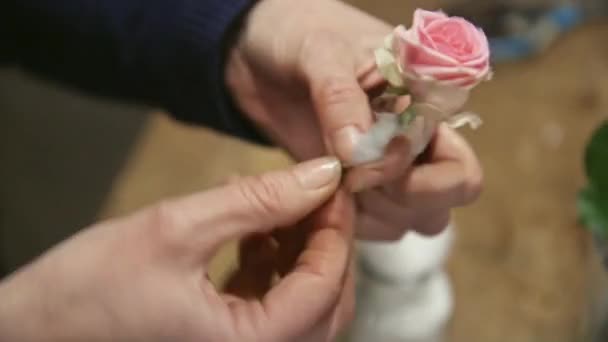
(318, 173)
(344, 141)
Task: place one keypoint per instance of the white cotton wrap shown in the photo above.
(418, 132)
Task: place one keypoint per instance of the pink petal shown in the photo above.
(413, 52)
(456, 76)
(400, 38)
(459, 30)
(483, 54)
(460, 22)
(467, 83)
(481, 76)
(426, 39)
(444, 73)
(471, 37)
(423, 17)
(424, 54)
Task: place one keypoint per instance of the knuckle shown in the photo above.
(319, 46)
(337, 90)
(320, 41)
(473, 185)
(264, 195)
(473, 172)
(163, 225)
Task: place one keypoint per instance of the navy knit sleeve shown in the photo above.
(166, 53)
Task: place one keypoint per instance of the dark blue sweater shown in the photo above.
(166, 53)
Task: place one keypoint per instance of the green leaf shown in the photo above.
(593, 210)
(596, 159)
(388, 68)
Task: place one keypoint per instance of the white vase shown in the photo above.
(403, 292)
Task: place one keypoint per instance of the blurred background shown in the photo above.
(523, 268)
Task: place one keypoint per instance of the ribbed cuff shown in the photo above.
(205, 31)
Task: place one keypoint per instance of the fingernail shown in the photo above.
(318, 173)
(344, 141)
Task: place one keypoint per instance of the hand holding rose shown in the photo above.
(308, 83)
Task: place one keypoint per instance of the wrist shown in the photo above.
(235, 73)
(238, 80)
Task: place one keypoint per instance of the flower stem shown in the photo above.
(406, 118)
(398, 91)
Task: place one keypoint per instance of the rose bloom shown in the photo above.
(442, 58)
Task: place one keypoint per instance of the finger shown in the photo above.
(370, 78)
(345, 311)
(449, 145)
(250, 205)
(431, 223)
(373, 228)
(441, 185)
(396, 160)
(329, 328)
(376, 228)
(278, 199)
(383, 219)
(291, 242)
(341, 104)
(312, 290)
(452, 178)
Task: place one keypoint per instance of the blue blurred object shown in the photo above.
(539, 35)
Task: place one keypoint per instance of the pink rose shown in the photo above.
(441, 56)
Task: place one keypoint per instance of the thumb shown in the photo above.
(328, 65)
(256, 204)
(280, 198)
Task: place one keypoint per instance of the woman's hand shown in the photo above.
(304, 72)
(144, 277)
